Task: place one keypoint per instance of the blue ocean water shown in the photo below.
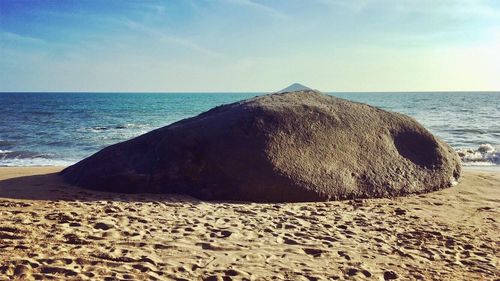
(45, 129)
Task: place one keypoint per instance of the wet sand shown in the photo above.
(49, 230)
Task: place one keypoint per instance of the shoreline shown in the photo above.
(52, 230)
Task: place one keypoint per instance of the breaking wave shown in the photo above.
(484, 155)
(29, 158)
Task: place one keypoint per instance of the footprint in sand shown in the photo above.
(355, 271)
(59, 217)
(22, 270)
(221, 234)
(58, 270)
(314, 252)
(103, 225)
(10, 232)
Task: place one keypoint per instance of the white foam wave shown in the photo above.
(484, 155)
(34, 162)
(10, 158)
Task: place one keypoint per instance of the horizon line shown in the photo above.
(234, 92)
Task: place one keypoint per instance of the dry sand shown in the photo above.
(49, 230)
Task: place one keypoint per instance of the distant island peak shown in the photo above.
(294, 88)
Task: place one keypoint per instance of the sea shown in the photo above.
(59, 129)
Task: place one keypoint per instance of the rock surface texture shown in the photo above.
(286, 147)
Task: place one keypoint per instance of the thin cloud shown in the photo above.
(9, 36)
(169, 39)
(468, 8)
(353, 5)
(451, 8)
(460, 9)
(259, 7)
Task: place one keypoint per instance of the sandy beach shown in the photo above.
(50, 230)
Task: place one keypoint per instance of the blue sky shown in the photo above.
(249, 45)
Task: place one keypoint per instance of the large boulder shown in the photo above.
(286, 147)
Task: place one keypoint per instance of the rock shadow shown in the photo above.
(51, 187)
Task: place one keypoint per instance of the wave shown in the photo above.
(30, 158)
(34, 162)
(9, 154)
(484, 155)
(6, 143)
(42, 113)
(468, 130)
(115, 127)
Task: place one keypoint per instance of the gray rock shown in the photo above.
(286, 147)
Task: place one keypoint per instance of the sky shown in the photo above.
(249, 45)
